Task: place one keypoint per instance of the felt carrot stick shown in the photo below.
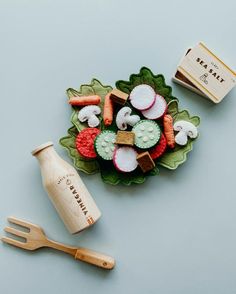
(169, 130)
(108, 111)
(85, 100)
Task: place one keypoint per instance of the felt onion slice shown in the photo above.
(157, 110)
(142, 97)
(124, 159)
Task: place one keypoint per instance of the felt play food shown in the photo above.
(145, 161)
(124, 118)
(125, 159)
(147, 134)
(157, 110)
(89, 113)
(108, 110)
(105, 144)
(85, 100)
(118, 96)
(125, 126)
(159, 149)
(185, 129)
(142, 97)
(85, 142)
(125, 138)
(169, 130)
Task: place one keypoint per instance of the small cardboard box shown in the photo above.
(203, 72)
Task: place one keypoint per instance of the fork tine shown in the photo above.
(16, 232)
(20, 222)
(14, 242)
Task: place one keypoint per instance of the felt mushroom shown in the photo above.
(89, 113)
(125, 118)
(185, 129)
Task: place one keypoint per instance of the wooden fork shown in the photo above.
(36, 238)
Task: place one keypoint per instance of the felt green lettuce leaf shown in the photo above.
(90, 166)
(94, 88)
(145, 76)
(111, 176)
(171, 159)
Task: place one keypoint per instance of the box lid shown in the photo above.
(207, 72)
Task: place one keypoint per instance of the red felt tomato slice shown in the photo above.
(159, 149)
(85, 142)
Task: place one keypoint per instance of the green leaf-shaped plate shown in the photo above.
(171, 159)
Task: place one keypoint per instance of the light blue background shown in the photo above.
(174, 234)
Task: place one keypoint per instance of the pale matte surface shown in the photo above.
(174, 234)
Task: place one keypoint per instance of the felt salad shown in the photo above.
(126, 132)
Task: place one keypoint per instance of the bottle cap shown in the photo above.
(41, 147)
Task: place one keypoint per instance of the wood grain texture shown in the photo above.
(35, 238)
(66, 190)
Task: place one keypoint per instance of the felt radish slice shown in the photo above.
(124, 159)
(142, 97)
(157, 110)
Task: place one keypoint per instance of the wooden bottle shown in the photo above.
(66, 190)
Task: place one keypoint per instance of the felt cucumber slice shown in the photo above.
(147, 134)
(142, 97)
(105, 144)
(125, 159)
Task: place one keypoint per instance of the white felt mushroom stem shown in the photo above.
(93, 121)
(181, 138)
(125, 118)
(132, 120)
(185, 129)
(89, 113)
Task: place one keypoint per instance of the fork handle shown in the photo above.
(95, 258)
